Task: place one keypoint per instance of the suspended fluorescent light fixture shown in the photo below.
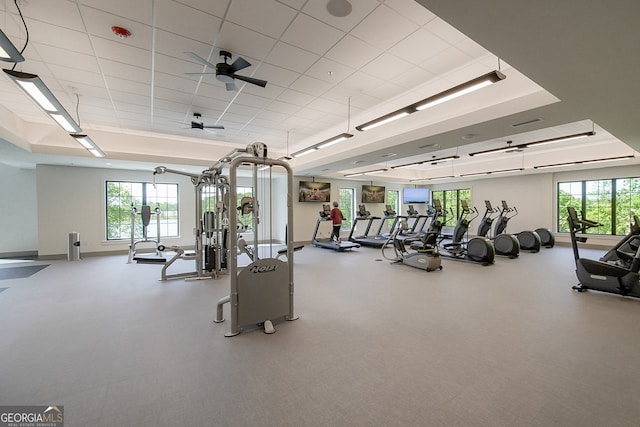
(492, 172)
(432, 179)
(463, 89)
(431, 161)
(39, 92)
(365, 172)
(334, 140)
(8, 52)
(447, 95)
(533, 144)
(585, 162)
(88, 143)
(304, 152)
(385, 119)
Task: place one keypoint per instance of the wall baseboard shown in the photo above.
(20, 254)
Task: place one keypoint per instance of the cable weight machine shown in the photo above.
(261, 293)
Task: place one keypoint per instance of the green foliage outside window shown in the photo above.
(120, 196)
(450, 200)
(346, 204)
(611, 202)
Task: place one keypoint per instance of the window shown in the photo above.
(121, 196)
(347, 200)
(393, 200)
(611, 202)
(450, 200)
(209, 202)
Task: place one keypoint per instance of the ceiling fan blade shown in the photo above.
(200, 59)
(251, 80)
(239, 64)
(197, 74)
(213, 127)
(231, 86)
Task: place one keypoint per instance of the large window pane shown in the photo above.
(347, 206)
(122, 196)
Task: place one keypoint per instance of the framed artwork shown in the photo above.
(372, 194)
(314, 191)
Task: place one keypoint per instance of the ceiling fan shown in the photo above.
(196, 123)
(226, 72)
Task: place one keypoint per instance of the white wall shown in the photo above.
(39, 208)
(306, 214)
(72, 199)
(18, 210)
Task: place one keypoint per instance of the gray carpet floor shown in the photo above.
(375, 345)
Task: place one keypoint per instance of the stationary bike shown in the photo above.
(600, 275)
(504, 244)
(477, 249)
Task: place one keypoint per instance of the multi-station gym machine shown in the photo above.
(261, 293)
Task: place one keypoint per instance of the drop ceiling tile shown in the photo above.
(387, 67)
(99, 25)
(192, 23)
(411, 10)
(291, 58)
(58, 13)
(60, 56)
(329, 71)
(283, 107)
(353, 52)
(360, 9)
(445, 31)
(108, 49)
(295, 97)
(446, 61)
(77, 41)
(242, 41)
(216, 8)
(125, 71)
(310, 85)
(312, 35)
(266, 16)
(360, 82)
(384, 28)
(175, 46)
(139, 10)
(276, 75)
(419, 46)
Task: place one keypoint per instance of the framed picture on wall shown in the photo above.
(372, 194)
(314, 191)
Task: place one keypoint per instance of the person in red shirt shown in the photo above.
(336, 220)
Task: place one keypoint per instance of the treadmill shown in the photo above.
(341, 246)
(365, 239)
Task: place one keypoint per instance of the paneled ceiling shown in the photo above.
(326, 74)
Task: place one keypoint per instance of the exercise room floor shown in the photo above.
(376, 345)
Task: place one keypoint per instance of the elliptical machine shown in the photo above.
(504, 244)
(477, 249)
(600, 275)
(529, 240)
(424, 256)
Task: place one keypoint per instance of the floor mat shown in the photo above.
(20, 272)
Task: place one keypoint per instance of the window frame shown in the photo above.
(169, 219)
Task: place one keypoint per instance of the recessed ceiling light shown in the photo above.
(339, 8)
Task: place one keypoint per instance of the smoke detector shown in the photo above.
(121, 32)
